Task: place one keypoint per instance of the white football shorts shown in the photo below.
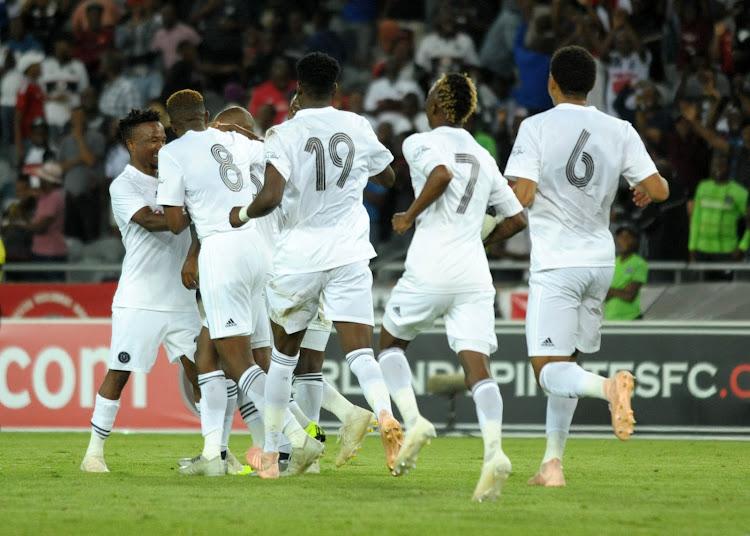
(565, 310)
(345, 292)
(137, 334)
(318, 332)
(232, 268)
(469, 317)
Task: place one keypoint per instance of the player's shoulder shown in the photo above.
(418, 139)
(127, 181)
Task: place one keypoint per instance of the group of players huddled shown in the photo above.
(279, 244)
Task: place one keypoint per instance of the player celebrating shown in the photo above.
(150, 306)
(447, 274)
(319, 163)
(209, 171)
(567, 162)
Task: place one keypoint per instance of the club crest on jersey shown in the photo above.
(123, 357)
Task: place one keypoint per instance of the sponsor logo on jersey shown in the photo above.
(230, 324)
(547, 343)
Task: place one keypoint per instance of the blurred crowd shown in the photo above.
(676, 69)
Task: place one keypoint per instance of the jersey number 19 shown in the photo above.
(314, 145)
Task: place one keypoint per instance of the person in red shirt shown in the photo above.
(29, 100)
(92, 41)
(276, 91)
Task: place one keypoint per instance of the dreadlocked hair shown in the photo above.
(185, 105)
(130, 122)
(457, 97)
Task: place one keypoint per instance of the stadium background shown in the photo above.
(678, 70)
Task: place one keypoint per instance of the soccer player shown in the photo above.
(447, 274)
(150, 307)
(208, 171)
(319, 163)
(567, 162)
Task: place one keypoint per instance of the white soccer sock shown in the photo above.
(309, 394)
(300, 415)
(397, 375)
(213, 406)
(105, 411)
(253, 419)
(564, 378)
(292, 431)
(560, 412)
(366, 369)
(229, 413)
(278, 393)
(489, 404)
(335, 402)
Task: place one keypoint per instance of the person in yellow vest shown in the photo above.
(2, 258)
(623, 300)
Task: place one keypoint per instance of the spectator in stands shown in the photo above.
(37, 150)
(626, 59)
(496, 53)
(29, 100)
(172, 33)
(446, 49)
(110, 14)
(81, 157)
(695, 30)
(277, 91)
(45, 18)
(119, 94)
(386, 93)
(63, 79)
(623, 301)
(90, 104)
(9, 85)
(133, 38)
(19, 39)
(652, 120)
(48, 243)
(185, 73)
(720, 206)
(532, 53)
(222, 25)
(667, 225)
(476, 128)
(323, 39)
(17, 237)
(687, 152)
(293, 43)
(93, 39)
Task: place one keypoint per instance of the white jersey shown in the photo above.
(209, 173)
(326, 157)
(446, 254)
(151, 269)
(576, 156)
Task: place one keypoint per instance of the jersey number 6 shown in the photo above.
(314, 145)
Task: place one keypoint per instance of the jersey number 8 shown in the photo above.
(314, 145)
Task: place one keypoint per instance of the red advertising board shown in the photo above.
(34, 300)
(50, 372)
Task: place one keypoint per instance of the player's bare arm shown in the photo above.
(177, 219)
(189, 270)
(150, 221)
(507, 228)
(230, 127)
(265, 202)
(654, 188)
(436, 184)
(385, 178)
(525, 191)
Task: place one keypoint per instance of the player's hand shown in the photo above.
(234, 217)
(640, 198)
(401, 222)
(229, 127)
(190, 272)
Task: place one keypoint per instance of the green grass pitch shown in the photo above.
(639, 487)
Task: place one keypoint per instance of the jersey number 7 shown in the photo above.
(464, 158)
(314, 145)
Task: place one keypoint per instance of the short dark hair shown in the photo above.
(317, 73)
(574, 70)
(130, 122)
